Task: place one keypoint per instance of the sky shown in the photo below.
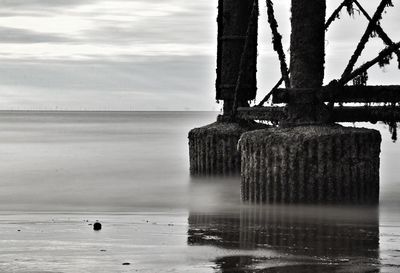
(147, 55)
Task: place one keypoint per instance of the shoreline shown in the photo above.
(193, 242)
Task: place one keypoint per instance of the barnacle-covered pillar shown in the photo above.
(213, 147)
(308, 160)
(311, 164)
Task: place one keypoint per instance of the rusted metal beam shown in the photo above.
(363, 94)
(336, 13)
(390, 93)
(366, 114)
(381, 33)
(274, 114)
(277, 43)
(339, 114)
(364, 39)
(363, 68)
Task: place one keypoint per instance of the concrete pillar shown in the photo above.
(311, 164)
(213, 148)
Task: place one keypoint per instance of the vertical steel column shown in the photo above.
(233, 21)
(307, 49)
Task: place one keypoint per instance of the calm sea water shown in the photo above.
(61, 171)
(113, 161)
(95, 161)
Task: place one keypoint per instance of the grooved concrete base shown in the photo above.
(311, 164)
(213, 148)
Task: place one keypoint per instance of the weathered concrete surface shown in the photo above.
(213, 148)
(311, 164)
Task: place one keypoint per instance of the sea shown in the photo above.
(63, 171)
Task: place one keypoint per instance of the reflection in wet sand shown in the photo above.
(304, 239)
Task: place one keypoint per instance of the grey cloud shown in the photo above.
(189, 25)
(146, 82)
(42, 3)
(158, 33)
(152, 74)
(38, 8)
(184, 26)
(15, 35)
(149, 82)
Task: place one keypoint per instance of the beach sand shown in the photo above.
(263, 239)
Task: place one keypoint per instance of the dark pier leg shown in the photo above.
(213, 148)
(234, 17)
(307, 58)
(308, 160)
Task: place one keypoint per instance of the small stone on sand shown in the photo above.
(97, 226)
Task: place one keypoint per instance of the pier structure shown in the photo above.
(307, 157)
(213, 148)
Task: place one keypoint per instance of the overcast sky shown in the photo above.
(145, 54)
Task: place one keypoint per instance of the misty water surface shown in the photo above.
(118, 161)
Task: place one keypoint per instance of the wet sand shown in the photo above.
(253, 239)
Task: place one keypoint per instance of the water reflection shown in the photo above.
(290, 238)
